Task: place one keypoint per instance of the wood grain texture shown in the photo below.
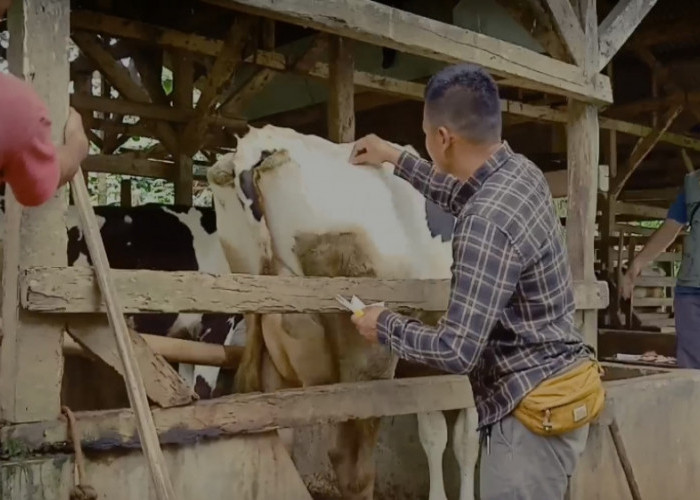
(31, 362)
(162, 383)
(255, 412)
(381, 25)
(74, 290)
(618, 25)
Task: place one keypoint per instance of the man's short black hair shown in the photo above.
(464, 98)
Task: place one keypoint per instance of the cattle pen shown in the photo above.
(333, 68)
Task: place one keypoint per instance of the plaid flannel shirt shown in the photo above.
(510, 319)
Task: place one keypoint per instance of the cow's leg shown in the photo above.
(466, 449)
(353, 458)
(432, 432)
(273, 381)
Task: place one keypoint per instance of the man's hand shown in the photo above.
(627, 285)
(367, 324)
(75, 147)
(372, 150)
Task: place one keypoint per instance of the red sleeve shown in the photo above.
(28, 157)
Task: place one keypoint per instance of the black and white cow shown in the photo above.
(163, 238)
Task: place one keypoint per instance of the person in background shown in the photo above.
(29, 162)
(686, 301)
(509, 323)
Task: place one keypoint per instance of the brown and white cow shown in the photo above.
(291, 204)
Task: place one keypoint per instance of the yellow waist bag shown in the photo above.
(563, 403)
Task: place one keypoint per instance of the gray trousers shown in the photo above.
(687, 312)
(522, 465)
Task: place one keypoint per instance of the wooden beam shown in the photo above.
(225, 65)
(569, 28)
(622, 208)
(253, 413)
(582, 133)
(31, 362)
(381, 25)
(120, 78)
(262, 78)
(410, 90)
(183, 98)
(665, 194)
(126, 164)
(162, 384)
(643, 147)
(341, 92)
(533, 16)
(618, 25)
(73, 290)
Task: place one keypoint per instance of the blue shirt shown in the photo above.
(678, 213)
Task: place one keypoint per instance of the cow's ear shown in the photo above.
(221, 174)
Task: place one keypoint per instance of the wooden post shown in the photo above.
(582, 157)
(183, 85)
(341, 96)
(31, 359)
(125, 193)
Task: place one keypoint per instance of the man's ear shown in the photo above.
(445, 138)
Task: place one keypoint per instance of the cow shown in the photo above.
(290, 204)
(163, 238)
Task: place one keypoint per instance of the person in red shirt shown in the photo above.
(29, 161)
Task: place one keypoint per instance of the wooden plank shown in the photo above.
(618, 25)
(643, 148)
(127, 164)
(223, 69)
(623, 208)
(655, 281)
(120, 78)
(341, 92)
(381, 25)
(31, 362)
(569, 29)
(73, 290)
(183, 98)
(254, 413)
(663, 194)
(162, 383)
(653, 302)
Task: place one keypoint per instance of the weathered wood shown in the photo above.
(172, 349)
(223, 69)
(643, 148)
(126, 164)
(663, 194)
(640, 210)
(582, 135)
(162, 384)
(262, 78)
(120, 78)
(341, 93)
(569, 29)
(183, 177)
(174, 39)
(379, 24)
(618, 25)
(655, 281)
(132, 373)
(653, 302)
(73, 290)
(253, 413)
(31, 362)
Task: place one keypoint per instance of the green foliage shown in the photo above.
(105, 189)
(168, 85)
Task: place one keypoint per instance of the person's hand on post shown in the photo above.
(366, 323)
(75, 146)
(373, 150)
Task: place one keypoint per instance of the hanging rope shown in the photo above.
(80, 491)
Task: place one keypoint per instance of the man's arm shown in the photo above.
(485, 273)
(657, 243)
(443, 189)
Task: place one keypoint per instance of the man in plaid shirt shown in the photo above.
(510, 319)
